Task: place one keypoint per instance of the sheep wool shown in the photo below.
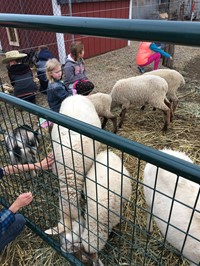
(139, 91)
(104, 208)
(74, 155)
(174, 80)
(102, 103)
(183, 204)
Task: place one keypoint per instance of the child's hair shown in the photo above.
(50, 65)
(75, 49)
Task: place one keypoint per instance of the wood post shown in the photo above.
(169, 48)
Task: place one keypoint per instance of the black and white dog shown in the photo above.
(22, 144)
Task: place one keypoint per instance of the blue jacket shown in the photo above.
(43, 57)
(56, 93)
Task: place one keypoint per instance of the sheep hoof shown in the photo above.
(165, 128)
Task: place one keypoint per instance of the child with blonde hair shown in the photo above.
(56, 91)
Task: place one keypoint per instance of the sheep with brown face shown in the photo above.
(141, 90)
(102, 103)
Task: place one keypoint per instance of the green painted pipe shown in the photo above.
(177, 32)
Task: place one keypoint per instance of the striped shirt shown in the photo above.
(6, 216)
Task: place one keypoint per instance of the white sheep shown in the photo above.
(161, 201)
(74, 154)
(107, 188)
(139, 91)
(174, 80)
(102, 103)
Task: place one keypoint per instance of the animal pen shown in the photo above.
(130, 242)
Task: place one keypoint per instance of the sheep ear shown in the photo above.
(55, 230)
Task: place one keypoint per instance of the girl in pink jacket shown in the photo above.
(146, 55)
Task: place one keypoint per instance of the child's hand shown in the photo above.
(22, 201)
(47, 162)
(171, 58)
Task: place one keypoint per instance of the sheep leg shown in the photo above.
(175, 103)
(113, 118)
(166, 108)
(167, 120)
(114, 121)
(105, 120)
(122, 115)
(169, 105)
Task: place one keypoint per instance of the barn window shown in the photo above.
(13, 36)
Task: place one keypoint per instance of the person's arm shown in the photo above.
(22, 201)
(7, 217)
(61, 92)
(156, 49)
(15, 169)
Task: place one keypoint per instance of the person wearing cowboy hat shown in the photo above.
(20, 75)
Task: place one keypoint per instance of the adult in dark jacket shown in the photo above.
(43, 56)
(20, 75)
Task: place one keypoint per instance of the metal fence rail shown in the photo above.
(186, 33)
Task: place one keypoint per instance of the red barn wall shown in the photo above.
(108, 9)
(93, 45)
